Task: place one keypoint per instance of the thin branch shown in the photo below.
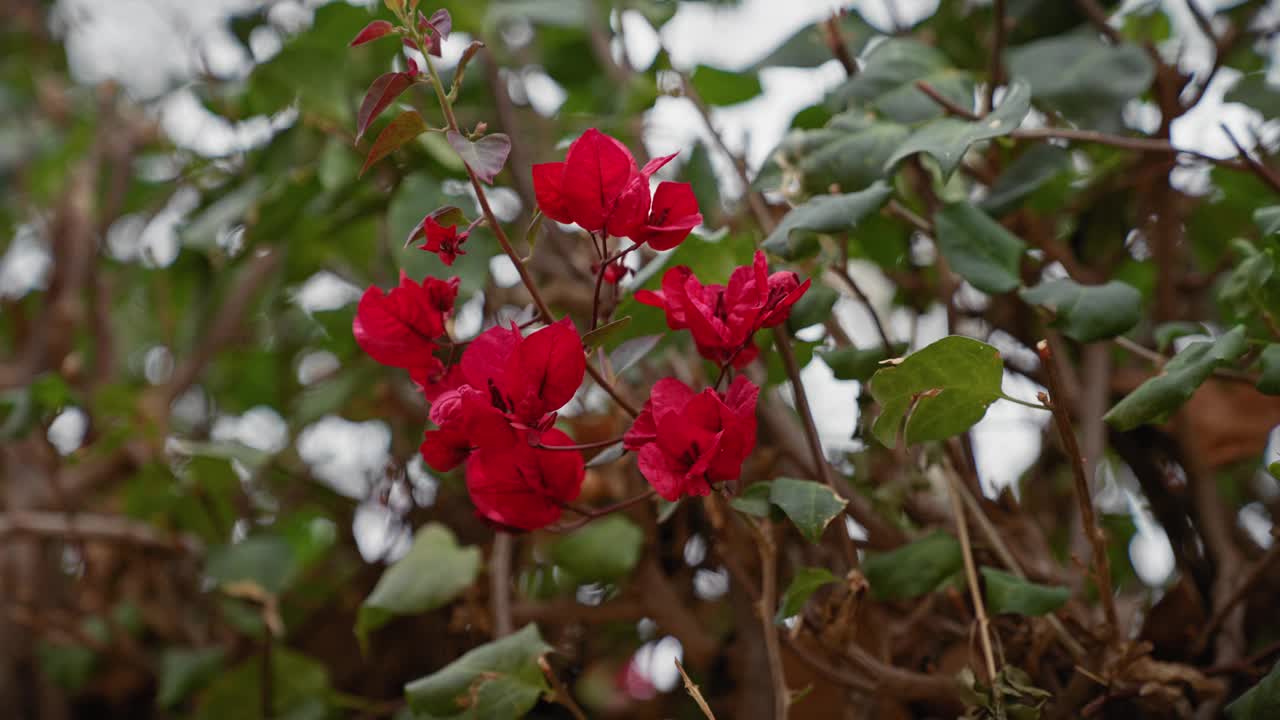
(1263, 172)
(589, 514)
(1061, 416)
(754, 199)
(766, 606)
(1098, 17)
(842, 272)
(1159, 361)
(896, 209)
(995, 73)
(694, 692)
(1256, 573)
(500, 583)
(582, 446)
(971, 575)
(945, 102)
(831, 35)
(112, 528)
(560, 693)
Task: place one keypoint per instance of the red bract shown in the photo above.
(400, 328)
(724, 319)
(445, 242)
(673, 213)
(688, 441)
(598, 186)
(523, 487)
(502, 405)
(371, 32)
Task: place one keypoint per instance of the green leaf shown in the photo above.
(603, 551)
(947, 139)
(754, 500)
(632, 351)
(804, 584)
(887, 82)
(978, 248)
(1268, 220)
(914, 569)
(184, 671)
(1155, 399)
(848, 158)
(1027, 173)
(1088, 313)
(299, 685)
(1010, 594)
(811, 506)
(807, 48)
(851, 363)
(951, 383)
(498, 680)
(432, 574)
(1081, 76)
(1260, 702)
(814, 306)
(403, 128)
(725, 87)
(266, 560)
(601, 335)
(1254, 91)
(1269, 361)
(1166, 333)
(823, 214)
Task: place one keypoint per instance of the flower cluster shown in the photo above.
(600, 188)
(723, 319)
(494, 411)
(688, 441)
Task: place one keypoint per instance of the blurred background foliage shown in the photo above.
(204, 479)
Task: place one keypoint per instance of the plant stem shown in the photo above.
(1098, 541)
(694, 692)
(582, 446)
(766, 606)
(562, 695)
(971, 574)
(500, 584)
(589, 514)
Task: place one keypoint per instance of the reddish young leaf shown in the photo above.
(485, 156)
(405, 127)
(371, 32)
(381, 93)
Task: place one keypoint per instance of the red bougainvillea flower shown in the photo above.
(434, 29)
(523, 487)
(598, 186)
(673, 213)
(495, 412)
(400, 328)
(688, 441)
(723, 319)
(445, 242)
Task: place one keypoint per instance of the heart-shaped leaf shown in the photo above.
(946, 386)
(405, 127)
(810, 505)
(485, 156)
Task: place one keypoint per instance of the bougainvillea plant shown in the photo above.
(497, 414)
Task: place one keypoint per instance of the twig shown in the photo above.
(766, 606)
(971, 574)
(268, 689)
(1151, 145)
(902, 212)
(1265, 173)
(1098, 17)
(946, 102)
(694, 692)
(97, 527)
(500, 583)
(995, 76)
(842, 272)
(754, 199)
(589, 514)
(582, 446)
(1220, 612)
(560, 693)
(1102, 568)
(831, 34)
(1159, 361)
